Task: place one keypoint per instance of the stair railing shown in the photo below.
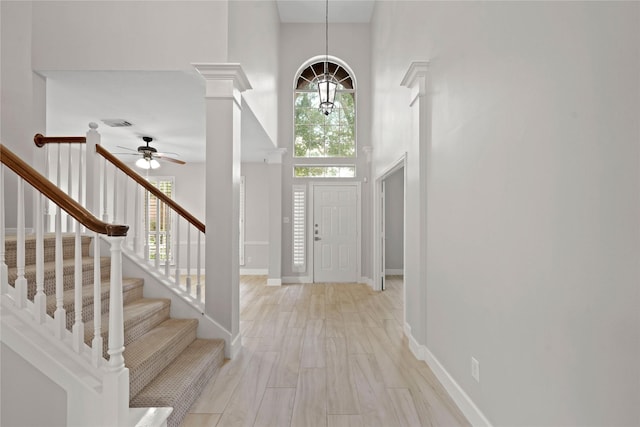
(120, 194)
(114, 375)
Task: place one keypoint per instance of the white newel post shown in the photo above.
(274, 161)
(92, 166)
(224, 85)
(116, 379)
(418, 168)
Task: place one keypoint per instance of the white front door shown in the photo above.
(335, 233)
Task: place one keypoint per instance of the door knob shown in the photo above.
(317, 238)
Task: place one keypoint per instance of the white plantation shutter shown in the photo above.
(299, 228)
(242, 217)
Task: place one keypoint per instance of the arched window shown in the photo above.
(323, 136)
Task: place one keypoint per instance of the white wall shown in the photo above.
(533, 231)
(394, 221)
(29, 397)
(128, 35)
(22, 97)
(256, 178)
(299, 43)
(254, 28)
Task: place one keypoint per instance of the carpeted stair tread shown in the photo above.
(131, 288)
(147, 356)
(49, 245)
(140, 316)
(68, 272)
(180, 384)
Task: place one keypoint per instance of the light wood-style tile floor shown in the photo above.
(328, 355)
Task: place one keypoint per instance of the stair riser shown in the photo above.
(182, 406)
(68, 274)
(135, 331)
(142, 375)
(88, 305)
(68, 249)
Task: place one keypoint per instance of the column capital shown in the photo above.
(275, 156)
(415, 79)
(224, 71)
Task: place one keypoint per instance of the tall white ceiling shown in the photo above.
(313, 11)
(168, 105)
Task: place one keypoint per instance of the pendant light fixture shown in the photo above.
(327, 86)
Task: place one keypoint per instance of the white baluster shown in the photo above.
(69, 188)
(125, 192)
(198, 284)
(59, 172)
(81, 199)
(59, 315)
(78, 325)
(137, 238)
(146, 225)
(40, 300)
(105, 216)
(96, 344)
(189, 259)
(157, 260)
(177, 254)
(115, 195)
(4, 271)
(21, 282)
(116, 379)
(47, 214)
(167, 248)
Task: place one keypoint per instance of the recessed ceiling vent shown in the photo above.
(116, 123)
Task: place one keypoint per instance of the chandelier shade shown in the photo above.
(327, 91)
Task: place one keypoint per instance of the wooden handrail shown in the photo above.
(57, 196)
(153, 190)
(41, 140)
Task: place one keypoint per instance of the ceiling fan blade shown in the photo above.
(167, 153)
(126, 154)
(127, 148)
(170, 159)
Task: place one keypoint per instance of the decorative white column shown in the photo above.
(224, 85)
(274, 160)
(417, 170)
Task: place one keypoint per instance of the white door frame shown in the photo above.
(378, 200)
(310, 236)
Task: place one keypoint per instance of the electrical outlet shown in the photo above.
(249, 259)
(475, 369)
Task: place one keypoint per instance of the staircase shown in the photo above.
(168, 365)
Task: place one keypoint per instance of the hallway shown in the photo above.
(323, 355)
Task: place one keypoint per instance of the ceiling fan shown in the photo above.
(149, 155)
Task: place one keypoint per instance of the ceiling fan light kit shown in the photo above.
(145, 163)
(149, 155)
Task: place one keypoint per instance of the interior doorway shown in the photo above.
(335, 228)
(389, 220)
(393, 256)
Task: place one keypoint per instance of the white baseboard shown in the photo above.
(459, 396)
(235, 347)
(394, 271)
(366, 281)
(274, 282)
(297, 279)
(254, 271)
